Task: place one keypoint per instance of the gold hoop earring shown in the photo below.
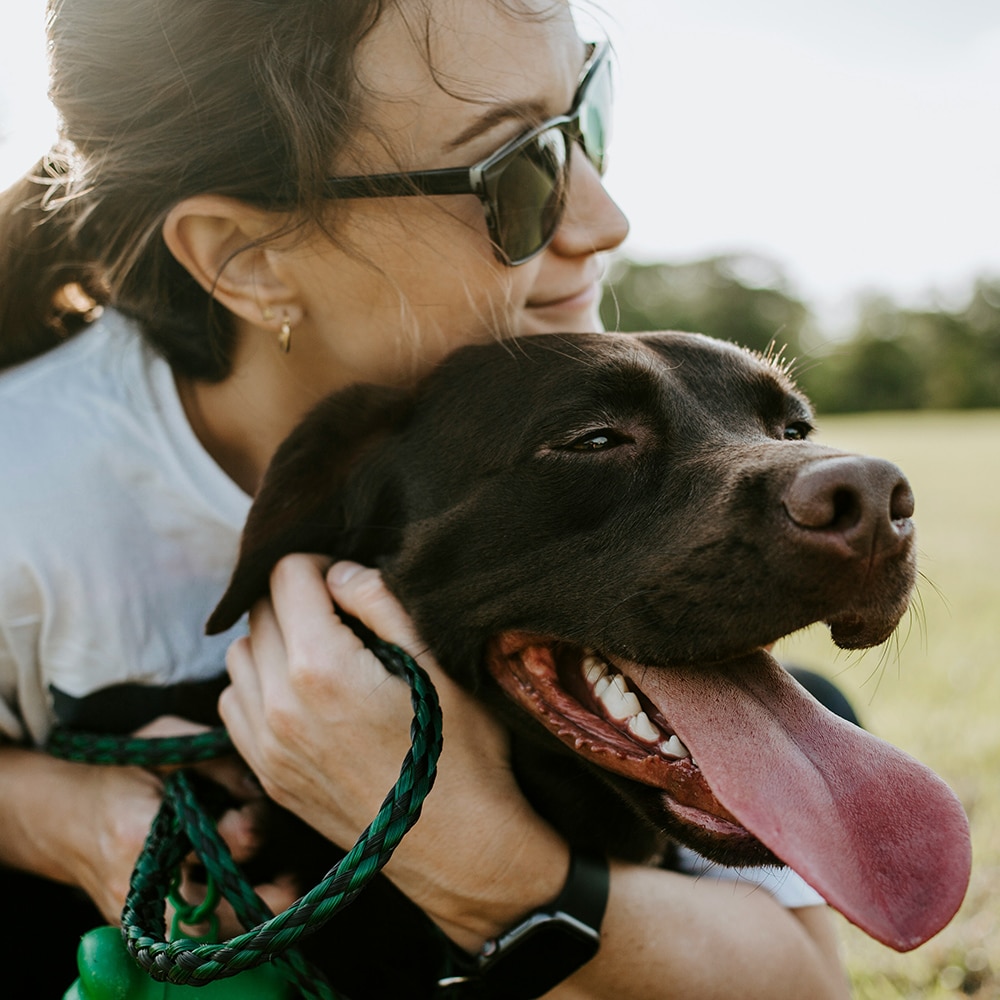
(285, 334)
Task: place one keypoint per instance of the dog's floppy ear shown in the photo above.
(326, 491)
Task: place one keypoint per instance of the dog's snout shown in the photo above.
(865, 501)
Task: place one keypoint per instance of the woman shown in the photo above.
(192, 195)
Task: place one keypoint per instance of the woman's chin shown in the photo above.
(577, 314)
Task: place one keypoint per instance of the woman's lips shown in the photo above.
(579, 299)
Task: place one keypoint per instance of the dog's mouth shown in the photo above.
(744, 757)
(590, 704)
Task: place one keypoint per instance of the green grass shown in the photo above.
(934, 690)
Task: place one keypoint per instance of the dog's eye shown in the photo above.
(798, 431)
(599, 440)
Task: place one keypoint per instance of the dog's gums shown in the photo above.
(590, 707)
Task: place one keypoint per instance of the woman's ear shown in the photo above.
(214, 238)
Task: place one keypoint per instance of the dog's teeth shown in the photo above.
(642, 729)
(622, 706)
(593, 668)
(620, 703)
(674, 748)
(614, 702)
(632, 704)
(613, 698)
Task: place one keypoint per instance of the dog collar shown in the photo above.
(545, 948)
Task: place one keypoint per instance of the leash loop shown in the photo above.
(182, 826)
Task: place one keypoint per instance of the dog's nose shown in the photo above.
(866, 502)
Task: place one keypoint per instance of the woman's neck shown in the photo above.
(241, 420)
(243, 457)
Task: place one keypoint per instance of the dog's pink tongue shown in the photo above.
(876, 833)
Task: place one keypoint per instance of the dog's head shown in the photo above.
(599, 534)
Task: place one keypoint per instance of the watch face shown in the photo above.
(537, 955)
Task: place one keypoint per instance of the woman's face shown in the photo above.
(408, 279)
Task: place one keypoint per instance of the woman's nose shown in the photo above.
(592, 221)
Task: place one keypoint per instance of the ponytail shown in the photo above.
(49, 290)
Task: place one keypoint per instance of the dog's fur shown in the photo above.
(652, 497)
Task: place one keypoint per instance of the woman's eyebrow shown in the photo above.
(526, 112)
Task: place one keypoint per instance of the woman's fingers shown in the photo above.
(277, 895)
(361, 592)
(244, 829)
(170, 725)
(298, 597)
(312, 711)
(320, 655)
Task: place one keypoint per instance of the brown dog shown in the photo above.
(599, 534)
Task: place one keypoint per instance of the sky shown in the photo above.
(853, 143)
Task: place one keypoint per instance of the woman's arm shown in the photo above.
(80, 824)
(85, 824)
(668, 935)
(325, 728)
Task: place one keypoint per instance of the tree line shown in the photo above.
(895, 358)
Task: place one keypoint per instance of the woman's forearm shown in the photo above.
(79, 824)
(34, 789)
(668, 935)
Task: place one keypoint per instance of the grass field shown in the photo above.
(934, 690)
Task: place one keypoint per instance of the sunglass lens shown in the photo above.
(595, 116)
(530, 195)
(527, 187)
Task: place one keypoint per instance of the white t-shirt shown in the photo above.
(119, 532)
(777, 880)
(119, 535)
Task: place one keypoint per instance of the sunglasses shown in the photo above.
(522, 186)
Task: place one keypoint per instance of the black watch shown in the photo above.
(545, 948)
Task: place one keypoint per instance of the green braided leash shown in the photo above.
(182, 826)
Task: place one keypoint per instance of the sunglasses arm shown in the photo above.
(452, 180)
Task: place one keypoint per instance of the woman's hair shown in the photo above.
(159, 100)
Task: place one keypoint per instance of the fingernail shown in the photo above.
(341, 572)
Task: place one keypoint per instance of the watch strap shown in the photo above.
(509, 967)
(584, 896)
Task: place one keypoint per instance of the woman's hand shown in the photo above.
(243, 825)
(325, 727)
(85, 824)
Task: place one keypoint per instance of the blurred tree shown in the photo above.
(896, 359)
(742, 298)
(901, 359)
(963, 351)
(866, 373)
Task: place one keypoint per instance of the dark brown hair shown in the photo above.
(159, 100)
